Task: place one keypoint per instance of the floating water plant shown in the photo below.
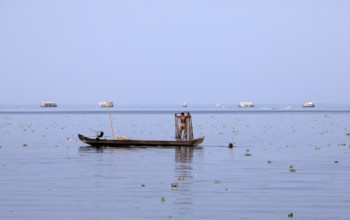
(291, 169)
(247, 153)
(175, 185)
(217, 181)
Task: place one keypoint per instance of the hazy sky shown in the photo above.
(169, 51)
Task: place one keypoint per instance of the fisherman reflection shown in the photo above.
(184, 175)
(184, 154)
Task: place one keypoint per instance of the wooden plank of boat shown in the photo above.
(116, 143)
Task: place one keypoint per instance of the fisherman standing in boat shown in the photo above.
(183, 124)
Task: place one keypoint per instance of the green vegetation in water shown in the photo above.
(247, 153)
(217, 181)
(181, 178)
(291, 169)
(175, 185)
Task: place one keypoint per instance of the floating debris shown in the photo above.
(290, 215)
(217, 181)
(181, 178)
(291, 169)
(247, 153)
(175, 185)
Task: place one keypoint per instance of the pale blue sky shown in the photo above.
(166, 52)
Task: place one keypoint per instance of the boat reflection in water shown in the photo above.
(128, 167)
(89, 149)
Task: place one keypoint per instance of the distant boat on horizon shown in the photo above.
(246, 104)
(309, 104)
(106, 104)
(220, 106)
(48, 104)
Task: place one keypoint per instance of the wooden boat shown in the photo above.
(120, 143)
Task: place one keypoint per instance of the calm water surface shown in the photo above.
(47, 173)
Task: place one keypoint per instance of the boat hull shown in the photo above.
(122, 143)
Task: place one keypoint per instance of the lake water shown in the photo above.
(47, 173)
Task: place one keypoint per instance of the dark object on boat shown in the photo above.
(230, 145)
(120, 143)
(99, 134)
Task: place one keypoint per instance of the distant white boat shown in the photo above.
(246, 104)
(309, 104)
(220, 106)
(184, 104)
(106, 104)
(48, 104)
